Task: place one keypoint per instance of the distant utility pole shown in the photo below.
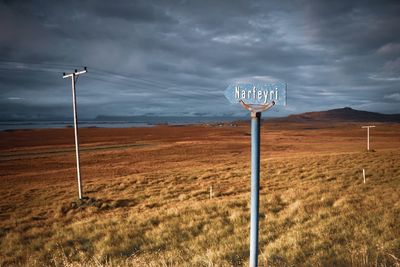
(74, 76)
(368, 126)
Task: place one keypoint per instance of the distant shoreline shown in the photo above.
(345, 114)
(31, 125)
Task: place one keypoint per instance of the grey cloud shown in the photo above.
(136, 11)
(177, 57)
(394, 96)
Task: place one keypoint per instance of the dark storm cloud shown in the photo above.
(177, 57)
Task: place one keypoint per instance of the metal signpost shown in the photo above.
(369, 126)
(74, 76)
(256, 98)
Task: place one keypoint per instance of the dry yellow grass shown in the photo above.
(150, 205)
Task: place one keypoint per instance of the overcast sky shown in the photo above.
(177, 57)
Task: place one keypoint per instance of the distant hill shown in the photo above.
(342, 114)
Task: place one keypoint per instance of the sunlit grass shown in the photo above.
(315, 211)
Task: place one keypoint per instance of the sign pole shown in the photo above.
(256, 98)
(74, 76)
(255, 186)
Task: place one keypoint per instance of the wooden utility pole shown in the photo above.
(368, 126)
(74, 76)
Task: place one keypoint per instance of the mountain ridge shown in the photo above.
(341, 114)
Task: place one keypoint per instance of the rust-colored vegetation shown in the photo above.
(149, 196)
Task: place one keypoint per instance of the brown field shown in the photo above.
(149, 196)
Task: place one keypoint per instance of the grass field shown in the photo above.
(149, 197)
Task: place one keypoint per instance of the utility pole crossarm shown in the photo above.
(75, 73)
